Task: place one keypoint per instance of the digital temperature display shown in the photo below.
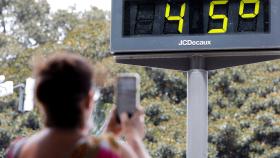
(226, 27)
(194, 17)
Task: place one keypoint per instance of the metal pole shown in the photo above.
(21, 99)
(197, 110)
(21, 88)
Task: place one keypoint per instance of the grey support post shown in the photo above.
(21, 88)
(197, 109)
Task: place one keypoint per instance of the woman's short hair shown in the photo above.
(62, 82)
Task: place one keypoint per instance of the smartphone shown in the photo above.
(128, 93)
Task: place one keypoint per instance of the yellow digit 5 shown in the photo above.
(249, 15)
(218, 16)
(179, 18)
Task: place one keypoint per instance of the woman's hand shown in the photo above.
(134, 131)
(133, 127)
(113, 126)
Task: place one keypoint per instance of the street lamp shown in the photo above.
(26, 95)
(26, 91)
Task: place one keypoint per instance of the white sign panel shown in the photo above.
(6, 88)
(29, 95)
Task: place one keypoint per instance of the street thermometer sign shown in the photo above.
(195, 36)
(144, 26)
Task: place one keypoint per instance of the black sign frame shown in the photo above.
(224, 44)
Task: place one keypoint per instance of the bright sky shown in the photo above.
(81, 5)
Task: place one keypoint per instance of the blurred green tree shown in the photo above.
(244, 101)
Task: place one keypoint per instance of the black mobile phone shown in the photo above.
(128, 93)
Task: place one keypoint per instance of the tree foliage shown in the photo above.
(244, 101)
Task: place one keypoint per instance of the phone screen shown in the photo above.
(127, 93)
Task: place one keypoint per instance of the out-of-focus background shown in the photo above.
(244, 101)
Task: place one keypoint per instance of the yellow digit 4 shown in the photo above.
(179, 18)
(218, 16)
(249, 15)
